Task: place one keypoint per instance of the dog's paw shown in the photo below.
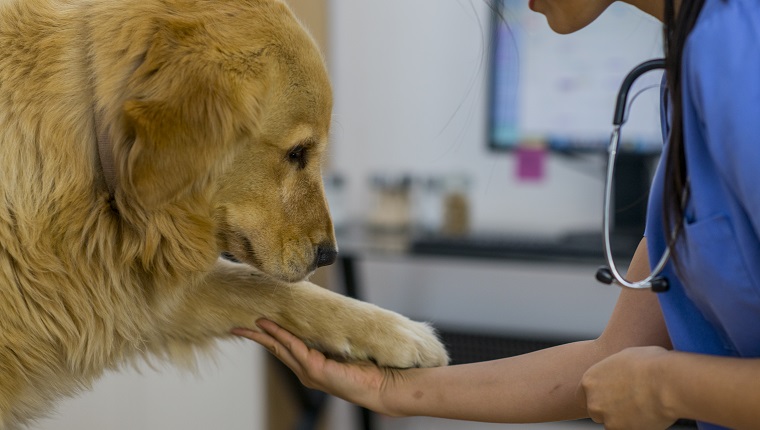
(402, 343)
(352, 330)
(386, 339)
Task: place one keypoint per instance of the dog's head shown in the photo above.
(232, 102)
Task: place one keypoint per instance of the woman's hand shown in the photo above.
(623, 391)
(357, 383)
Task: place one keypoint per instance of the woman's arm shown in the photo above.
(540, 386)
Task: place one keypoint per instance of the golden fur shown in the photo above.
(218, 113)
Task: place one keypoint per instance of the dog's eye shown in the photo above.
(297, 156)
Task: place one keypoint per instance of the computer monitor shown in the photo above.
(560, 90)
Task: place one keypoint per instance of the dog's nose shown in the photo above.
(326, 255)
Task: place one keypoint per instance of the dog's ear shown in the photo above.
(174, 148)
(182, 117)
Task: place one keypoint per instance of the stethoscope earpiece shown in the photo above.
(604, 275)
(660, 284)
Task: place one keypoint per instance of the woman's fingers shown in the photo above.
(295, 346)
(283, 336)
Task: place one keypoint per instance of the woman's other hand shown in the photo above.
(623, 391)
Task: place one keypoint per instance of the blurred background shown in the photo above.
(465, 179)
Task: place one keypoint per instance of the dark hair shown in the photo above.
(676, 30)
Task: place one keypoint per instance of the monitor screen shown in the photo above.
(560, 90)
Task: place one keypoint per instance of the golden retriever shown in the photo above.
(138, 142)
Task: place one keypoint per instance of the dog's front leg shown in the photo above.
(234, 295)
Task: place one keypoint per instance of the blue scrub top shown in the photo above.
(714, 308)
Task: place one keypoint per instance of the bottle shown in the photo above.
(456, 205)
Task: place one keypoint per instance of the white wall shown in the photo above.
(410, 83)
(228, 393)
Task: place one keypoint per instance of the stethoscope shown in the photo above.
(609, 274)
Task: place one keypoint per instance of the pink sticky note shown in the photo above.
(530, 163)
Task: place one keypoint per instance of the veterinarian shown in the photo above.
(689, 352)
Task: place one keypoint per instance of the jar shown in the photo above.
(390, 209)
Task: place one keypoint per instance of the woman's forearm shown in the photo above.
(540, 386)
(535, 387)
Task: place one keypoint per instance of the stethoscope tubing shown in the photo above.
(610, 274)
(625, 88)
